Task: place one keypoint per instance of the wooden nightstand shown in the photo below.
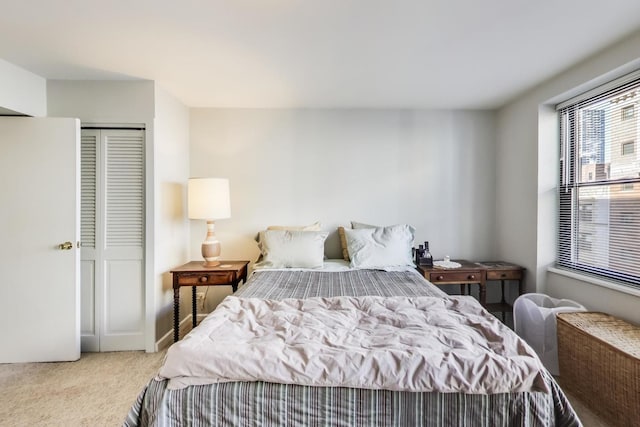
(503, 271)
(478, 273)
(468, 273)
(194, 273)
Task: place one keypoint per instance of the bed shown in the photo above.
(336, 345)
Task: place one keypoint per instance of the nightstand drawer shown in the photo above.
(217, 278)
(455, 277)
(504, 275)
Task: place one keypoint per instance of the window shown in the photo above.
(628, 148)
(599, 203)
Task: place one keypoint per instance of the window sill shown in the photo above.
(595, 281)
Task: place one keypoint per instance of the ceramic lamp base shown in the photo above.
(211, 247)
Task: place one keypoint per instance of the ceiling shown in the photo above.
(315, 54)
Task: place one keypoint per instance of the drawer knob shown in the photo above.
(503, 275)
(203, 279)
(440, 277)
(472, 276)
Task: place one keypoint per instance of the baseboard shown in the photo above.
(184, 326)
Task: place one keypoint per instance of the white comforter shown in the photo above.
(408, 344)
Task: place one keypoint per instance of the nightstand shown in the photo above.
(468, 273)
(503, 271)
(194, 273)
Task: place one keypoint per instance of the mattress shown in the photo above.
(236, 403)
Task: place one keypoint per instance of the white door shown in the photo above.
(39, 210)
(112, 248)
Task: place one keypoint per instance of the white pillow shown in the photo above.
(411, 230)
(380, 247)
(316, 226)
(292, 248)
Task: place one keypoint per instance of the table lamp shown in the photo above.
(208, 199)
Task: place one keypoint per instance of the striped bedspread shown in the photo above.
(270, 404)
(281, 284)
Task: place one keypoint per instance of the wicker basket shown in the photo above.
(599, 359)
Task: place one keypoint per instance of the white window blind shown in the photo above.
(599, 192)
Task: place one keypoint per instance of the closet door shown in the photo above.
(112, 228)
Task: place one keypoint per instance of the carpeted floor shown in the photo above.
(97, 390)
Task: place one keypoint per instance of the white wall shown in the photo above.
(21, 91)
(94, 101)
(431, 169)
(527, 170)
(171, 230)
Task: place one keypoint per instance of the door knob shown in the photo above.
(65, 246)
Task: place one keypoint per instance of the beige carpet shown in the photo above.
(97, 390)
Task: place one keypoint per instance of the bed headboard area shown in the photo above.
(431, 169)
(363, 245)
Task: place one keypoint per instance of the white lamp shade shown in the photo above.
(208, 198)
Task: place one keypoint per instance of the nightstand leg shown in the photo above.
(176, 314)
(194, 306)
